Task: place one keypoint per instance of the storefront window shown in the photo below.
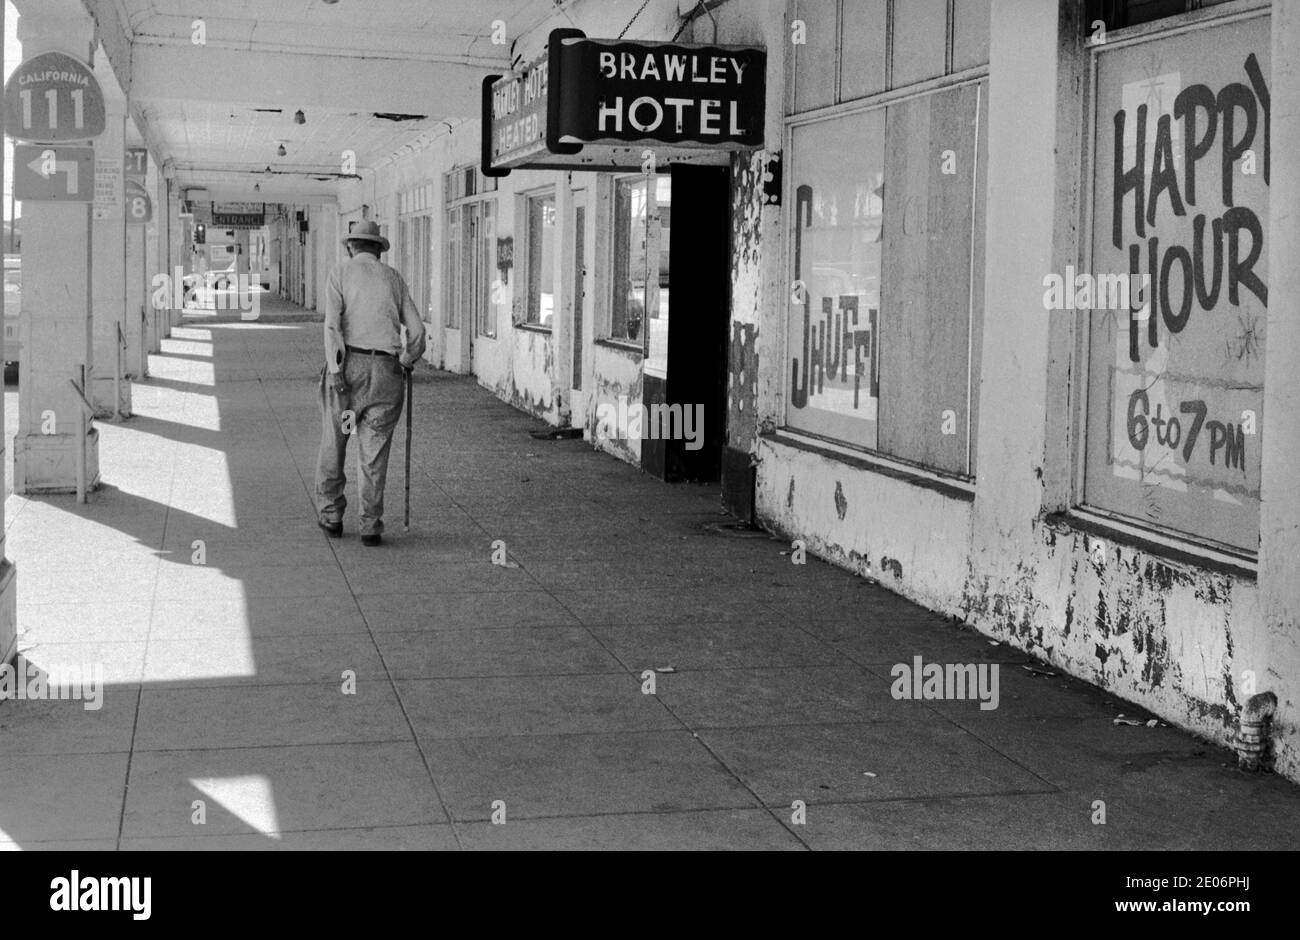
(1120, 13)
(886, 297)
(470, 240)
(1176, 376)
(836, 253)
(486, 297)
(541, 259)
(847, 50)
(920, 37)
(455, 265)
(642, 220)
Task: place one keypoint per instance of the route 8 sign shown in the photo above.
(53, 97)
(139, 207)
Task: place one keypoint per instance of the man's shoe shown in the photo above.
(334, 530)
(372, 539)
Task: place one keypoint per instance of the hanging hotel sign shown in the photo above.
(598, 104)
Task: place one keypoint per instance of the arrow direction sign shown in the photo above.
(53, 174)
(48, 168)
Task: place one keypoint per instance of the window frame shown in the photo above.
(528, 197)
(641, 342)
(1144, 532)
(881, 101)
(950, 73)
(460, 195)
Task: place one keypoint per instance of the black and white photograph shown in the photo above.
(651, 426)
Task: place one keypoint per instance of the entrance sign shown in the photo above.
(599, 104)
(54, 174)
(139, 207)
(238, 215)
(1181, 196)
(53, 97)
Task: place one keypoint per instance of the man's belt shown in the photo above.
(370, 352)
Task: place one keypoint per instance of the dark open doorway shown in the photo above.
(694, 385)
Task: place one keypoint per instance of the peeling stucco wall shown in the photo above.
(530, 386)
(911, 540)
(1174, 634)
(746, 299)
(1174, 637)
(616, 373)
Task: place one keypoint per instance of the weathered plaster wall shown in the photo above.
(746, 299)
(1176, 637)
(530, 384)
(616, 373)
(911, 540)
(1172, 636)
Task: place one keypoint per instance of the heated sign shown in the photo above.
(53, 97)
(518, 114)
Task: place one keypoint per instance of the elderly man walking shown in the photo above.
(361, 386)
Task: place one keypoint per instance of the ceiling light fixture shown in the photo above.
(280, 151)
(299, 117)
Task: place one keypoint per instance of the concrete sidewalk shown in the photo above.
(480, 687)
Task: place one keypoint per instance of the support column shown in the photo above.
(8, 572)
(109, 297)
(1024, 61)
(169, 256)
(174, 256)
(137, 315)
(309, 263)
(1279, 511)
(562, 310)
(54, 434)
(155, 239)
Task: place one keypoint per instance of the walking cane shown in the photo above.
(406, 522)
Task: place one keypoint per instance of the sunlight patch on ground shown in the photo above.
(250, 799)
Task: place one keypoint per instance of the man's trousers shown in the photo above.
(370, 412)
